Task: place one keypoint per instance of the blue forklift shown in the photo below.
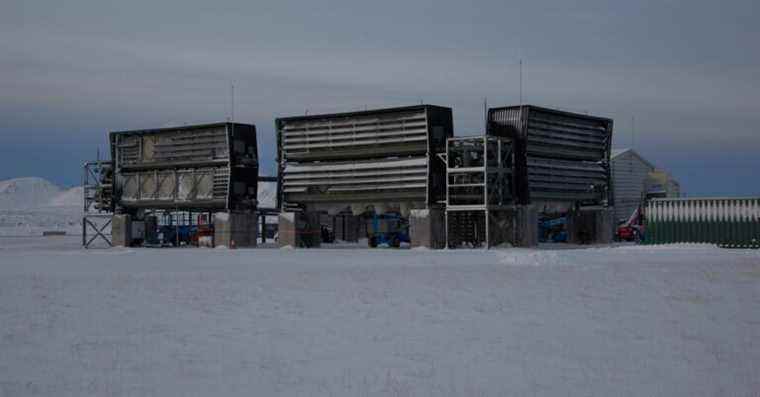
(553, 230)
(388, 230)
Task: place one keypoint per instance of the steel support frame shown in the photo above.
(88, 223)
(500, 169)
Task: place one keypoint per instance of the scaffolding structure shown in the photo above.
(479, 173)
(97, 191)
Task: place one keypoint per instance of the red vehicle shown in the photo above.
(632, 229)
(626, 233)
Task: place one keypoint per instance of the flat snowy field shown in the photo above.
(638, 321)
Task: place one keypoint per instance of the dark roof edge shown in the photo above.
(362, 112)
(181, 127)
(634, 153)
(556, 111)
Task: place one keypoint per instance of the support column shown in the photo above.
(238, 228)
(605, 225)
(591, 226)
(263, 229)
(299, 229)
(121, 230)
(151, 230)
(427, 228)
(526, 226)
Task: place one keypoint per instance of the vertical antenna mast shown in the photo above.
(521, 83)
(485, 115)
(633, 132)
(232, 102)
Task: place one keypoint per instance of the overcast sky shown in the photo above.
(687, 71)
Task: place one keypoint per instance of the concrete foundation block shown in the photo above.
(151, 229)
(516, 227)
(121, 230)
(299, 229)
(238, 227)
(500, 228)
(526, 226)
(286, 229)
(591, 226)
(605, 226)
(427, 228)
(346, 227)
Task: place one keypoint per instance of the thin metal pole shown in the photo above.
(485, 115)
(488, 232)
(176, 226)
(521, 83)
(633, 132)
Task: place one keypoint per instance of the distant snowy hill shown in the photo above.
(24, 193)
(35, 193)
(267, 194)
(29, 206)
(73, 197)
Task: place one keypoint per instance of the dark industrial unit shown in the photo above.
(185, 182)
(376, 160)
(532, 164)
(199, 167)
(560, 156)
(394, 176)
(385, 155)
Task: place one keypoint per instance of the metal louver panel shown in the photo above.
(369, 135)
(381, 155)
(325, 182)
(187, 167)
(552, 179)
(560, 155)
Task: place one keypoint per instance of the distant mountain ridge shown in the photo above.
(30, 206)
(267, 194)
(35, 192)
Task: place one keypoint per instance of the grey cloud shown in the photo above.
(688, 71)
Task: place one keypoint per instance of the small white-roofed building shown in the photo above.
(634, 179)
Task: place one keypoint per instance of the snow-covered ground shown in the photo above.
(623, 321)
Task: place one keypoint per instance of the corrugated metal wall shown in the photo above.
(382, 156)
(729, 222)
(210, 166)
(560, 156)
(629, 175)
